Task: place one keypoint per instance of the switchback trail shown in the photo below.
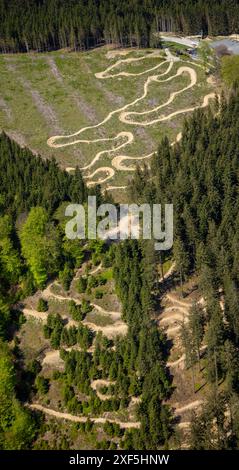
(117, 328)
(82, 419)
(125, 138)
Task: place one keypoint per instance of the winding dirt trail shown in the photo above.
(106, 74)
(111, 331)
(177, 313)
(181, 360)
(82, 419)
(189, 407)
(98, 383)
(94, 270)
(193, 80)
(48, 294)
(171, 315)
(124, 116)
(52, 140)
(52, 358)
(118, 328)
(31, 313)
(103, 169)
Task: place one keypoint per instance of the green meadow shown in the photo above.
(58, 94)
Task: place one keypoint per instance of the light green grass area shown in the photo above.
(167, 265)
(32, 341)
(50, 94)
(107, 274)
(230, 69)
(98, 319)
(175, 46)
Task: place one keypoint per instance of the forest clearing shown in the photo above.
(104, 110)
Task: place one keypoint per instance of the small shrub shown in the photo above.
(98, 294)
(76, 311)
(85, 306)
(81, 285)
(42, 305)
(65, 277)
(42, 385)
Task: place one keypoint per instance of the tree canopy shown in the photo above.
(80, 24)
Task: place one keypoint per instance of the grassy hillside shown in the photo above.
(58, 94)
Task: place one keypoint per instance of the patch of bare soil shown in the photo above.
(6, 109)
(85, 108)
(19, 138)
(189, 388)
(118, 52)
(44, 108)
(54, 69)
(11, 66)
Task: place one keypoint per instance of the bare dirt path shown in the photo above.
(93, 271)
(30, 313)
(48, 294)
(188, 407)
(43, 107)
(96, 269)
(118, 328)
(178, 362)
(111, 331)
(82, 419)
(170, 270)
(181, 360)
(125, 116)
(52, 140)
(106, 74)
(109, 172)
(96, 384)
(175, 313)
(177, 301)
(182, 70)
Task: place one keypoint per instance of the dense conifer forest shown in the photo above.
(144, 350)
(42, 25)
(27, 181)
(30, 252)
(31, 191)
(200, 177)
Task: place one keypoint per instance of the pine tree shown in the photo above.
(40, 245)
(196, 325)
(181, 259)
